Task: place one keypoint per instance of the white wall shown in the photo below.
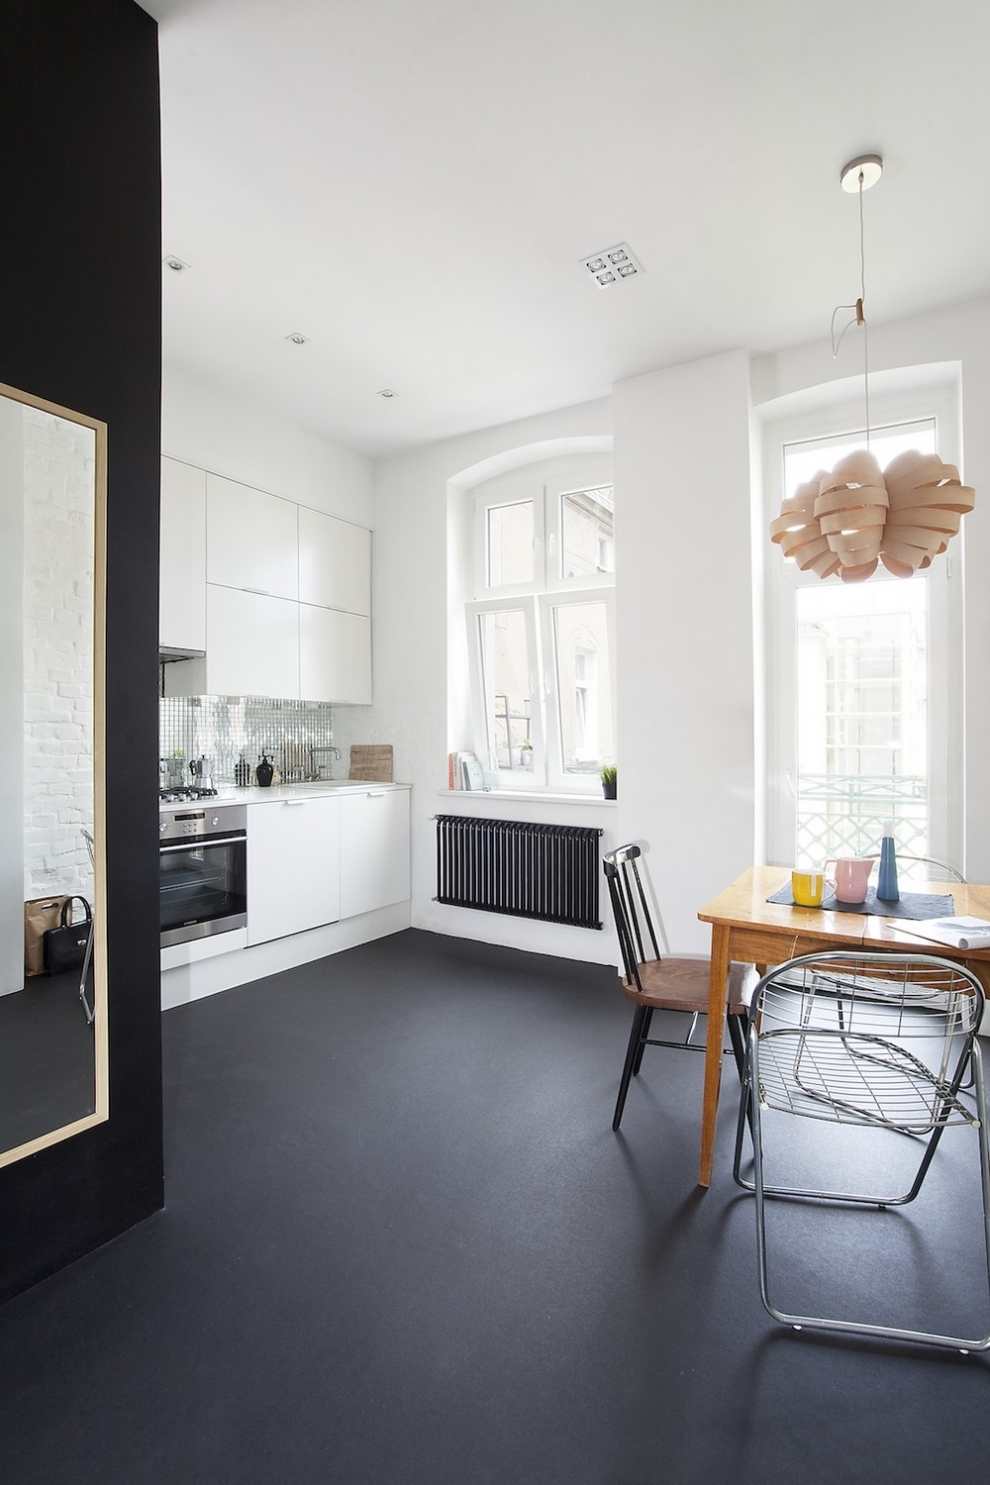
(685, 647)
(246, 441)
(409, 606)
(962, 335)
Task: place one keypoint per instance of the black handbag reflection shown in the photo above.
(65, 945)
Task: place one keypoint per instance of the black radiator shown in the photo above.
(549, 872)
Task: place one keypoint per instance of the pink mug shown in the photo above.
(852, 876)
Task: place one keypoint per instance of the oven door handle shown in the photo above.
(194, 843)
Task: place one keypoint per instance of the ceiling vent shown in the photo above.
(612, 265)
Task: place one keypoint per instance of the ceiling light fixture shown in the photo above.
(176, 264)
(845, 522)
(298, 338)
(386, 392)
(611, 265)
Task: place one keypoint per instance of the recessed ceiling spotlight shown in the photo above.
(608, 267)
(298, 338)
(386, 392)
(176, 264)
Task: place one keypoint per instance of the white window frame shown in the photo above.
(945, 622)
(518, 488)
(545, 486)
(555, 489)
(551, 701)
(484, 741)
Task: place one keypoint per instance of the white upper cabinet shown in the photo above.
(252, 539)
(252, 645)
(182, 594)
(334, 655)
(278, 595)
(334, 563)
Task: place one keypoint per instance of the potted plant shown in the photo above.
(609, 777)
(526, 753)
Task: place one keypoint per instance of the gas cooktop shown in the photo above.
(184, 792)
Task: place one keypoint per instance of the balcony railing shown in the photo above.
(842, 814)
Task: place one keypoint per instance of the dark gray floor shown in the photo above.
(47, 1058)
(402, 1244)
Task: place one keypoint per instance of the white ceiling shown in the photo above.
(412, 184)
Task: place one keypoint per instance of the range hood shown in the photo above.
(167, 655)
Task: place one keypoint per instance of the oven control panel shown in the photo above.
(201, 821)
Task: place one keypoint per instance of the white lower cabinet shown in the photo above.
(374, 850)
(293, 866)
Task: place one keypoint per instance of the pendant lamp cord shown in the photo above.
(859, 317)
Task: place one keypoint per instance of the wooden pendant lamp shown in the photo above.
(847, 521)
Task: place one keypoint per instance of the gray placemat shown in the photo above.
(917, 905)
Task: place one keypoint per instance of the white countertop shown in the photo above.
(253, 794)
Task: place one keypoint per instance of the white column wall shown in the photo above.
(685, 646)
(960, 334)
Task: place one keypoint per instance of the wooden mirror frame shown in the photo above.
(101, 1108)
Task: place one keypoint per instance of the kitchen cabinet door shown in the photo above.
(252, 645)
(374, 850)
(293, 866)
(334, 655)
(334, 562)
(182, 591)
(252, 539)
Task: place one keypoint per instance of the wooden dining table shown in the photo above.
(748, 929)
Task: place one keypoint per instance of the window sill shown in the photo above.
(535, 796)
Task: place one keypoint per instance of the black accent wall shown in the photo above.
(80, 292)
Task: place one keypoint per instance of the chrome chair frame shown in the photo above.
(827, 1040)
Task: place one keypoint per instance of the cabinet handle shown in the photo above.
(376, 793)
(265, 592)
(293, 801)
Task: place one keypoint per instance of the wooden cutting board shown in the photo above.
(371, 761)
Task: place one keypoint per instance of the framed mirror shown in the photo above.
(53, 994)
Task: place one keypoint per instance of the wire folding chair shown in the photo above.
(871, 1040)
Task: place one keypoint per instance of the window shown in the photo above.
(540, 627)
(862, 692)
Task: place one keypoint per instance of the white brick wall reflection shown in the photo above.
(58, 654)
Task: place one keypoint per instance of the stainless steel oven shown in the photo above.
(203, 878)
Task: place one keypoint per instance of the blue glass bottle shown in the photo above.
(887, 881)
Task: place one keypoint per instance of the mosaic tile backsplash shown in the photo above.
(296, 735)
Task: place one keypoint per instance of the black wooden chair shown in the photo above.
(654, 983)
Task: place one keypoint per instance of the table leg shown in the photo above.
(713, 1047)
